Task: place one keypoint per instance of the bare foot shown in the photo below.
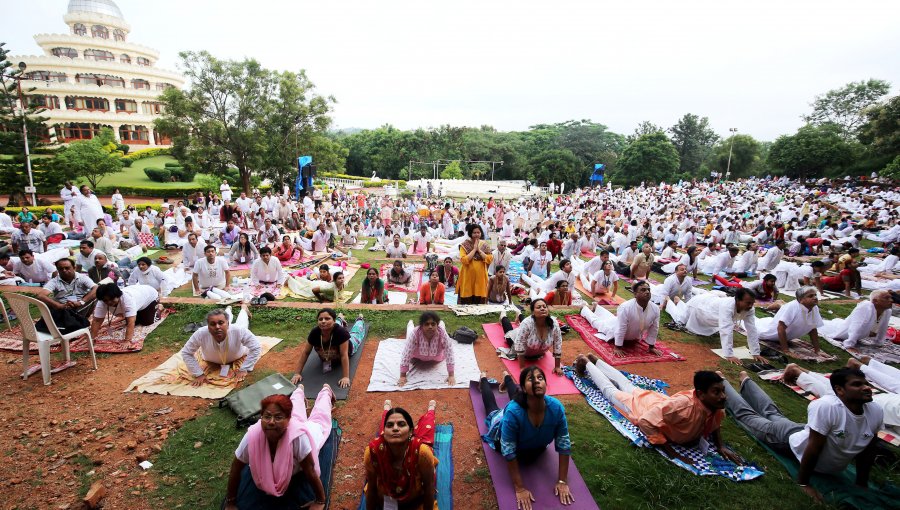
(333, 399)
(865, 359)
(720, 374)
(245, 308)
(854, 363)
(791, 372)
(580, 364)
(744, 376)
(503, 381)
(432, 404)
(592, 358)
(387, 405)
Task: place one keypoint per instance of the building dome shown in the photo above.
(106, 7)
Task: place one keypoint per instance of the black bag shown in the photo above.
(67, 320)
(464, 335)
(245, 403)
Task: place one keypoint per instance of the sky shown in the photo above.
(754, 66)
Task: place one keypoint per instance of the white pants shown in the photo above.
(602, 320)
(219, 294)
(242, 319)
(883, 375)
(610, 381)
(817, 384)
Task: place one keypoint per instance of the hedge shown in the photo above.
(148, 153)
(157, 174)
(342, 176)
(160, 192)
(39, 211)
(383, 182)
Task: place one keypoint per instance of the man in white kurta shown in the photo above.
(87, 209)
(635, 320)
(68, 194)
(868, 322)
(772, 257)
(716, 313)
(678, 286)
(793, 320)
(222, 343)
(267, 269)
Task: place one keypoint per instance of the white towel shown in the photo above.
(422, 375)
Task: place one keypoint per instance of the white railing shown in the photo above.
(349, 183)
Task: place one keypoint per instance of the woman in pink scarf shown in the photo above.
(281, 454)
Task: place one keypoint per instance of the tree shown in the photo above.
(13, 167)
(644, 128)
(810, 152)
(845, 107)
(892, 170)
(693, 139)
(239, 114)
(745, 156)
(452, 171)
(881, 132)
(558, 166)
(652, 158)
(92, 159)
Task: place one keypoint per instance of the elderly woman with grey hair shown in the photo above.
(868, 322)
(794, 320)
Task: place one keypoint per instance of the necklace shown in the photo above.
(326, 351)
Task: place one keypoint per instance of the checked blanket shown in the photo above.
(711, 464)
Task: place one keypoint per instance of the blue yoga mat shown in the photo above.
(443, 450)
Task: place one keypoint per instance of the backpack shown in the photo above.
(464, 335)
(245, 403)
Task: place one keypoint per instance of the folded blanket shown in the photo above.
(710, 464)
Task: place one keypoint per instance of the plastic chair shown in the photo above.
(5, 315)
(21, 305)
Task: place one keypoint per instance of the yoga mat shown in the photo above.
(889, 352)
(739, 353)
(394, 298)
(443, 450)
(800, 349)
(461, 310)
(110, 339)
(314, 378)
(556, 384)
(710, 464)
(635, 352)
(610, 301)
(414, 283)
(166, 379)
(840, 490)
(423, 375)
(539, 476)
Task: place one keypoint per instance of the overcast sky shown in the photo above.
(755, 66)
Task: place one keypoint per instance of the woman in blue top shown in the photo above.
(522, 430)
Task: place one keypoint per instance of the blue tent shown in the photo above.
(599, 171)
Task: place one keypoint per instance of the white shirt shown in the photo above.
(225, 191)
(134, 299)
(635, 323)
(211, 275)
(243, 204)
(54, 228)
(190, 255)
(86, 263)
(796, 317)
(238, 343)
(271, 272)
(38, 272)
(710, 314)
(88, 210)
(605, 280)
(395, 251)
(153, 277)
(862, 321)
(770, 259)
(671, 287)
(847, 434)
(320, 240)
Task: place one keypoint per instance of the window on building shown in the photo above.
(64, 52)
(78, 131)
(100, 80)
(99, 55)
(151, 108)
(100, 31)
(87, 103)
(125, 59)
(164, 86)
(48, 102)
(46, 76)
(143, 61)
(138, 83)
(126, 106)
(134, 135)
(79, 29)
(119, 34)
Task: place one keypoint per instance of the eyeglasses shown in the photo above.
(273, 417)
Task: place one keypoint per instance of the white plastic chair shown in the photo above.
(21, 304)
(5, 315)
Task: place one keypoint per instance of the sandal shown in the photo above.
(254, 301)
(262, 301)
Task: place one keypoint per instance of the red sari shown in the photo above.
(405, 485)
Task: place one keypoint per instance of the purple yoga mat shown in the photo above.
(539, 476)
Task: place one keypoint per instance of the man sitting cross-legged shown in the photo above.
(686, 418)
(840, 427)
(222, 345)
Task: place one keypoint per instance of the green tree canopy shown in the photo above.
(92, 159)
(845, 107)
(693, 139)
(882, 128)
(810, 152)
(644, 128)
(745, 156)
(652, 158)
(239, 114)
(452, 171)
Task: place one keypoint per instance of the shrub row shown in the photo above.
(157, 174)
(148, 153)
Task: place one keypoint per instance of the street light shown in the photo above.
(730, 149)
(30, 189)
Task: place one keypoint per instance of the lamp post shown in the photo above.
(30, 189)
(730, 149)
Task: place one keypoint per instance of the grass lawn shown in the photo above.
(134, 176)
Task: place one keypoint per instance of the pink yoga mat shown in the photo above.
(539, 476)
(556, 384)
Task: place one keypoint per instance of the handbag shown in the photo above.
(465, 335)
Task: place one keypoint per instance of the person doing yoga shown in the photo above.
(232, 348)
(427, 343)
(276, 465)
(332, 343)
(636, 319)
(400, 462)
(535, 335)
(522, 430)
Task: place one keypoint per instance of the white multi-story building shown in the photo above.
(94, 77)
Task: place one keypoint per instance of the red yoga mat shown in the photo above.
(539, 476)
(556, 384)
(635, 352)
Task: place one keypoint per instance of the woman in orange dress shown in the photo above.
(475, 257)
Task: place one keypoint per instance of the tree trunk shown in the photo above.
(245, 179)
(18, 199)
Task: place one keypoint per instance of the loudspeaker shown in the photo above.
(309, 171)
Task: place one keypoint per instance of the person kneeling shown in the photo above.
(427, 343)
(135, 303)
(276, 465)
(222, 346)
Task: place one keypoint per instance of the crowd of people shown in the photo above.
(773, 244)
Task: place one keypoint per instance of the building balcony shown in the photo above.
(84, 42)
(105, 91)
(99, 116)
(72, 65)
